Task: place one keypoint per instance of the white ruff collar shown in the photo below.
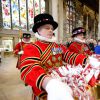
(79, 40)
(53, 39)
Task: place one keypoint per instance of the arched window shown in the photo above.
(74, 15)
(20, 13)
(70, 16)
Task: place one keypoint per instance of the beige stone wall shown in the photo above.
(99, 22)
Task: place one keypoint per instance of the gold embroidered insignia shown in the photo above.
(49, 62)
(54, 58)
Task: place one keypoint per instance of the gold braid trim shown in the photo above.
(24, 67)
(40, 50)
(39, 80)
(46, 50)
(75, 56)
(66, 54)
(36, 64)
(30, 59)
(46, 54)
(70, 58)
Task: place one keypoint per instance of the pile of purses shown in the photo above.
(79, 79)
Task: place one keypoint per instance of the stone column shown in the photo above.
(46, 6)
(56, 10)
(15, 41)
(60, 21)
(1, 49)
(1, 21)
(99, 23)
(0, 40)
(87, 28)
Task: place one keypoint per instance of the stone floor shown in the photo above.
(11, 87)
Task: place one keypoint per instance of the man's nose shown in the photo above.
(51, 29)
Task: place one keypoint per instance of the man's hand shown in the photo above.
(21, 52)
(94, 62)
(58, 90)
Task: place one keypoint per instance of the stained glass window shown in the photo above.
(23, 22)
(20, 13)
(36, 4)
(6, 14)
(30, 13)
(42, 6)
(15, 14)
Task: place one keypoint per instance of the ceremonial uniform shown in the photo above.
(18, 49)
(42, 56)
(25, 40)
(79, 47)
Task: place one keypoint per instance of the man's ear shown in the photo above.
(38, 30)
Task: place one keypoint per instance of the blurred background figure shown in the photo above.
(79, 45)
(97, 47)
(24, 41)
(92, 43)
(69, 40)
(18, 50)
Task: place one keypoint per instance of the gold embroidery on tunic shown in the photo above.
(59, 58)
(53, 58)
(49, 62)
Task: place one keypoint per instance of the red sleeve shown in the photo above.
(17, 48)
(31, 71)
(73, 58)
(74, 47)
(71, 47)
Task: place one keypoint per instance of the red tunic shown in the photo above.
(40, 57)
(81, 48)
(19, 47)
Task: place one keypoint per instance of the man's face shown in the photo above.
(26, 40)
(46, 31)
(80, 36)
